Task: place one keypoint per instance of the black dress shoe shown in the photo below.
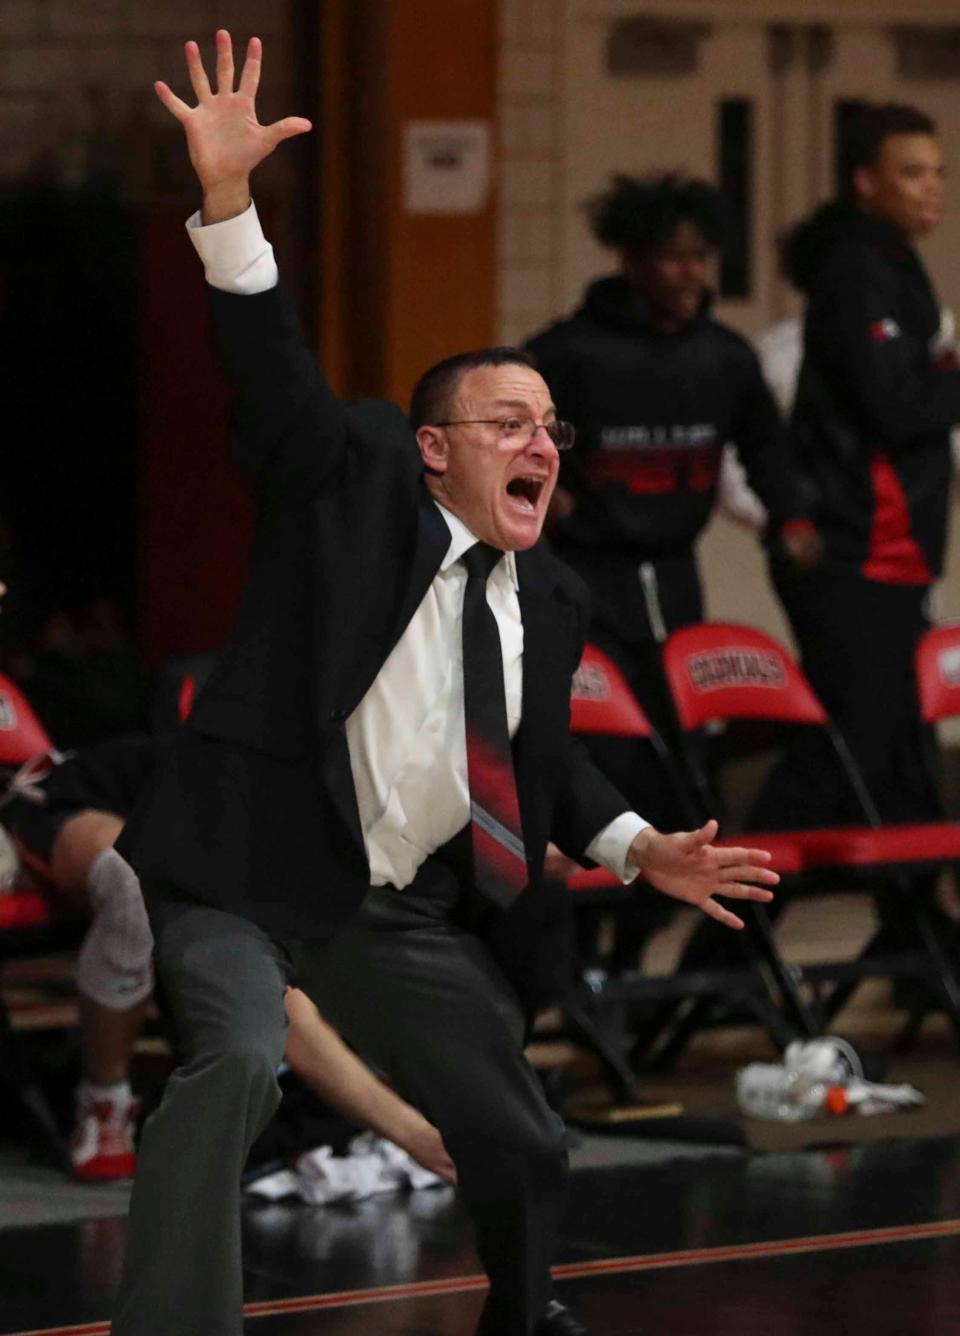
(558, 1320)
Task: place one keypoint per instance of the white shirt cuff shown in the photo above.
(236, 255)
(611, 846)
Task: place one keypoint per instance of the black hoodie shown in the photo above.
(876, 399)
(653, 412)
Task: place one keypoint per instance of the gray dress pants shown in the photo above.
(422, 1001)
(224, 980)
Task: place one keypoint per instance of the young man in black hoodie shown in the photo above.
(656, 387)
(876, 400)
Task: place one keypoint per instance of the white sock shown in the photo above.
(118, 1092)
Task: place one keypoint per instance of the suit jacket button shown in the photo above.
(337, 716)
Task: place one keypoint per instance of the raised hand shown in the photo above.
(224, 138)
(688, 867)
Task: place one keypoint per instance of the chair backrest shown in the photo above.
(601, 702)
(938, 672)
(21, 733)
(719, 670)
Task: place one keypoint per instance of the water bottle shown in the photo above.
(786, 1095)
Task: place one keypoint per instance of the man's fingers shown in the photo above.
(224, 62)
(170, 100)
(250, 74)
(198, 75)
(764, 876)
(287, 128)
(756, 857)
(692, 840)
(722, 915)
(744, 890)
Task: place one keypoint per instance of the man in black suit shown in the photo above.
(340, 804)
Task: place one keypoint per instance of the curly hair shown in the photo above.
(638, 213)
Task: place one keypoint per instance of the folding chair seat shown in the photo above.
(927, 845)
(33, 920)
(719, 671)
(602, 704)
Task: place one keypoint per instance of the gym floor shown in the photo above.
(833, 1241)
(659, 1236)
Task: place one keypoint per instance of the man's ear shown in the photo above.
(434, 448)
(864, 184)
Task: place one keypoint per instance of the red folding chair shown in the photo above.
(938, 672)
(602, 704)
(937, 664)
(33, 919)
(719, 671)
(25, 747)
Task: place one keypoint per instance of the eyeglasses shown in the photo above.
(521, 430)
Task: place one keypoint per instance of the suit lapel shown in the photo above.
(377, 619)
(538, 612)
(431, 541)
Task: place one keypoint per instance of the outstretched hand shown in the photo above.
(689, 867)
(224, 138)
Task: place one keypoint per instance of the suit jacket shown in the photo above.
(254, 810)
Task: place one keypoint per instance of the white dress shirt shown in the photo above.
(407, 737)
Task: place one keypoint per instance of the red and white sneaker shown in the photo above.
(101, 1148)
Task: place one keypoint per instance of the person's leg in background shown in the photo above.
(857, 641)
(224, 982)
(422, 1001)
(73, 846)
(114, 983)
(318, 1055)
(804, 788)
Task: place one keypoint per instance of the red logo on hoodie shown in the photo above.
(885, 331)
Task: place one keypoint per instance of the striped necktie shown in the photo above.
(499, 858)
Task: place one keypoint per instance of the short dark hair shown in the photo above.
(804, 246)
(430, 401)
(876, 123)
(638, 213)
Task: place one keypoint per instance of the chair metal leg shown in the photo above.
(30, 1095)
(615, 1065)
(945, 975)
(645, 1039)
(786, 977)
(696, 1016)
(766, 1014)
(907, 1037)
(841, 993)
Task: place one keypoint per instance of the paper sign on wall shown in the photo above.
(446, 166)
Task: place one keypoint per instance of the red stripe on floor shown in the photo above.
(857, 1238)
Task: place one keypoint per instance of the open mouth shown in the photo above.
(525, 491)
